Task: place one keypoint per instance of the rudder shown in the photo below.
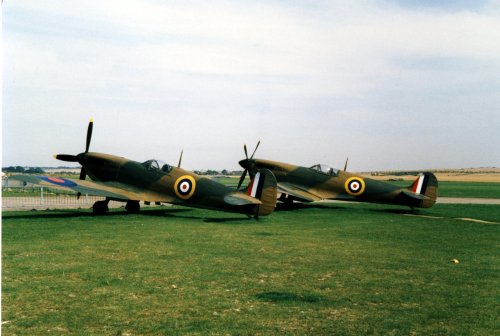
(264, 187)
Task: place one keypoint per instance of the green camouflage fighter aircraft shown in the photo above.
(321, 182)
(120, 179)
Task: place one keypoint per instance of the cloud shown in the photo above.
(212, 76)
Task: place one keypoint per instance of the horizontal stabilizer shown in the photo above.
(241, 199)
(413, 195)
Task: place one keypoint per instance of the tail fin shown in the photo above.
(427, 185)
(264, 187)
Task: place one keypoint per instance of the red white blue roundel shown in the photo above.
(58, 181)
(184, 186)
(354, 186)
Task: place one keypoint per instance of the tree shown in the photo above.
(34, 170)
(19, 169)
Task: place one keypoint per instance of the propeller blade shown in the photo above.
(245, 149)
(242, 178)
(66, 157)
(83, 173)
(89, 135)
(180, 159)
(258, 143)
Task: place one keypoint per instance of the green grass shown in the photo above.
(469, 189)
(334, 269)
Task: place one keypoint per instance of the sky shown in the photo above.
(390, 84)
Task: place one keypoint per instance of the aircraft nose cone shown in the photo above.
(82, 158)
(244, 163)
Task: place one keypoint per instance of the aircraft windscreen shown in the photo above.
(166, 168)
(157, 165)
(325, 169)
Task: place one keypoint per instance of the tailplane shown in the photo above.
(264, 187)
(426, 185)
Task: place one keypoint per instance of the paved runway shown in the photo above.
(456, 200)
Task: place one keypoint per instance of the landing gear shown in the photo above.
(286, 200)
(133, 207)
(100, 207)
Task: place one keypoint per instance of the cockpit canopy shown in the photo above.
(157, 165)
(325, 169)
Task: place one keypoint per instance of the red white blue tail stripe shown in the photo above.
(256, 186)
(420, 184)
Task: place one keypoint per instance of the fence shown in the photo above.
(26, 198)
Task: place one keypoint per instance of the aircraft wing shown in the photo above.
(113, 190)
(296, 192)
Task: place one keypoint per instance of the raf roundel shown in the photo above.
(184, 186)
(355, 186)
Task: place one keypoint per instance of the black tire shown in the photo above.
(100, 208)
(133, 207)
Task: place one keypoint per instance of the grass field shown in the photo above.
(327, 269)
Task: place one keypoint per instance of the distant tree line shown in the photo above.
(38, 170)
(24, 170)
(212, 172)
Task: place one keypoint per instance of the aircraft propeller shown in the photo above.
(79, 158)
(249, 164)
(66, 157)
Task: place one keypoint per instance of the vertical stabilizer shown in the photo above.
(427, 185)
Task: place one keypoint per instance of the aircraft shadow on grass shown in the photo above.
(283, 207)
(165, 213)
(232, 220)
(399, 211)
(183, 213)
(287, 297)
(77, 213)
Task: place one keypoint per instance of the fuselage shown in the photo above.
(181, 186)
(335, 184)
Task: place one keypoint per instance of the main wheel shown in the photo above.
(133, 207)
(100, 208)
